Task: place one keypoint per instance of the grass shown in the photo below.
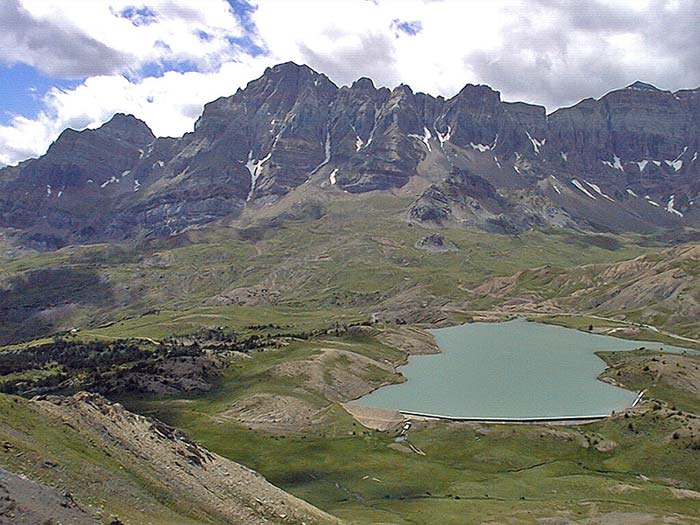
(311, 275)
(639, 370)
(354, 259)
(583, 322)
(242, 319)
(55, 453)
(500, 473)
(511, 471)
(497, 473)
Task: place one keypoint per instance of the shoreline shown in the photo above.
(564, 420)
(428, 330)
(510, 420)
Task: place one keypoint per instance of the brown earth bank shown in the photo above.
(202, 487)
(275, 413)
(412, 340)
(375, 418)
(338, 375)
(659, 290)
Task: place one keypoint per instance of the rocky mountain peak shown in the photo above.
(124, 121)
(121, 127)
(290, 74)
(643, 86)
(289, 69)
(364, 83)
(479, 92)
(402, 90)
(293, 126)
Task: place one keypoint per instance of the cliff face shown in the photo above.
(74, 183)
(626, 162)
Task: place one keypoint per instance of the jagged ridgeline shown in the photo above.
(625, 162)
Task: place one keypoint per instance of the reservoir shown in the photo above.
(515, 369)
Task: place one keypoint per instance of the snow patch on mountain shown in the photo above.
(556, 188)
(536, 144)
(358, 140)
(597, 189)
(485, 147)
(675, 164)
(444, 137)
(327, 152)
(425, 138)
(615, 164)
(109, 181)
(253, 167)
(582, 188)
(670, 208)
(481, 147)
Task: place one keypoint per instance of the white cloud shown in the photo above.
(347, 39)
(168, 30)
(552, 52)
(169, 104)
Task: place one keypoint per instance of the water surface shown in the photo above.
(516, 369)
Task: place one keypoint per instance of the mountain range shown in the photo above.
(245, 282)
(627, 162)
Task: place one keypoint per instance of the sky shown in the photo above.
(74, 63)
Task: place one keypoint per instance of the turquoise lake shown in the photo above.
(515, 369)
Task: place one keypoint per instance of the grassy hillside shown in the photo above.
(359, 257)
(470, 473)
(117, 464)
(298, 283)
(649, 296)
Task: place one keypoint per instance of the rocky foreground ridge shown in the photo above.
(150, 460)
(625, 162)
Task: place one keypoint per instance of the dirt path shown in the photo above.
(114, 338)
(632, 325)
(648, 326)
(499, 312)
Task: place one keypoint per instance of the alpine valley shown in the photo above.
(172, 309)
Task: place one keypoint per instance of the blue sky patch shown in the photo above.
(142, 16)
(158, 69)
(243, 11)
(203, 35)
(411, 28)
(23, 89)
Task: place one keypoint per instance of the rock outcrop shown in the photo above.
(625, 162)
(189, 474)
